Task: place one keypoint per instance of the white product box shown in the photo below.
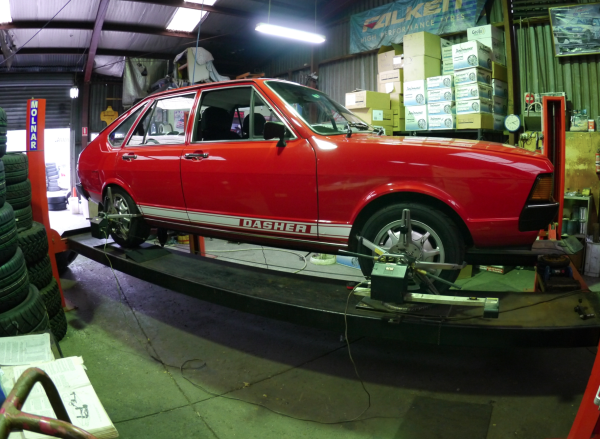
(439, 108)
(415, 93)
(440, 94)
(474, 106)
(475, 90)
(487, 31)
(446, 49)
(472, 54)
(499, 122)
(500, 105)
(476, 74)
(442, 122)
(444, 81)
(416, 118)
(448, 69)
(497, 48)
(499, 88)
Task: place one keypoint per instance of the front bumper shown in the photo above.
(81, 191)
(537, 216)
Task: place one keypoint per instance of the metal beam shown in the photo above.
(100, 16)
(79, 51)
(331, 9)
(89, 25)
(190, 5)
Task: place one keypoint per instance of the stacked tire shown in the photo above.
(32, 252)
(52, 177)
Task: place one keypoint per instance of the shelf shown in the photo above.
(575, 197)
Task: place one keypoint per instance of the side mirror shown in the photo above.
(274, 130)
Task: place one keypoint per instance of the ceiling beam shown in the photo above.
(79, 51)
(331, 9)
(89, 25)
(100, 16)
(190, 5)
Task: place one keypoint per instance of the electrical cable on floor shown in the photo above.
(35, 34)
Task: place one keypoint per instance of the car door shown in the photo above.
(234, 180)
(149, 163)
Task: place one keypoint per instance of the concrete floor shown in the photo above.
(299, 371)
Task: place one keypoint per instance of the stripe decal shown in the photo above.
(339, 231)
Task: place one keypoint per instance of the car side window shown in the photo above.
(165, 123)
(117, 136)
(261, 114)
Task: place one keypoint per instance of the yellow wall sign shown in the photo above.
(108, 115)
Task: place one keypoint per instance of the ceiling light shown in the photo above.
(202, 2)
(185, 19)
(74, 92)
(286, 32)
(5, 16)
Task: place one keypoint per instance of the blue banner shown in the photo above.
(389, 23)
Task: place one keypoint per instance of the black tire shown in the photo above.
(51, 296)
(51, 173)
(57, 199)
(24, 218)
(445, 236)
(57, 207)
(25, 317)
(8, 238)
(20, 202)
(131, 232)
(19, 194)
(33, 242)
(40, 273)
(64, 259)
(13, 294)
(15, 161)
(2, 191)
(58, 325)
(16, 176)
(10, 267)
(3, 139)
(555, 261)
(43, 326)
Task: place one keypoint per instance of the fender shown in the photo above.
(117, 182)
(413, 187)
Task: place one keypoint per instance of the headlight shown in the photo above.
(542, 189)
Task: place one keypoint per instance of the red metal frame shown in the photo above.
(37, 176)
(554, 147)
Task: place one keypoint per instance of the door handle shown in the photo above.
(196, 155)
(129, 157)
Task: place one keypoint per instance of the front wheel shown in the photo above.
(435, 238)
(127, 232)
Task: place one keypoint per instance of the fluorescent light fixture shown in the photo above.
(186, 19)
(74, 92)
(202, 2)
(5, 16)
(286, 32)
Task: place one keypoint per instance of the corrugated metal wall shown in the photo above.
(101, 96)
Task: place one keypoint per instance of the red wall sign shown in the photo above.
(84, 131)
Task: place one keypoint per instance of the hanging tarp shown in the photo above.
(389, 23)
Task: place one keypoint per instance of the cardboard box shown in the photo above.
(421, 67)
(375, 116)
(444, 81)
(447, 54)
(440, 108)
(499, 72)
(474, 106)
(397, 104)
(472, 54)
(416, 118)
(475, 90)
(499, 122)
(398, 62)
(389, 87)
(441, 122)
(399, 124)
(440, 94)
(422, 44)
(367, 99)
(475, 121)
(498, 49)
(447, 69)
(499, 88)
(393, 75)
(385, 57)
(415, 93)
(500, 105)
(475, 74)
(389, 131)
(487, 31)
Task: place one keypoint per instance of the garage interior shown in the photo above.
(205, 336)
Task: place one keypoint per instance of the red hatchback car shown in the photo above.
(275, 163)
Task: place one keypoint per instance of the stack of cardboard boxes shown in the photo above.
(372, 107)
(480, 79)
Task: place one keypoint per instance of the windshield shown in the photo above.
(322, 114)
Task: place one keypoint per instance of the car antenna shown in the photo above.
(349, 132)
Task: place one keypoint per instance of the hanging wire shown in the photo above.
(269, 14)
(197, 40)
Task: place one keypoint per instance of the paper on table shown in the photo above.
(25, 349)
(76, 391)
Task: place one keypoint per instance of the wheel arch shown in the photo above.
(115, 183)
(402, 197)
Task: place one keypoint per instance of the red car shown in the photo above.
(275, 163)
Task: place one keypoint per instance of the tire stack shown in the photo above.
(33, 244)
(55, 202)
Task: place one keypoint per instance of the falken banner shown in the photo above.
(389, 23)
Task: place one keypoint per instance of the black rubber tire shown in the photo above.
(8, 242)
(16, 176)
(139, 230)
(19, 194)
(25, 317)
(2, 190)
(3, 118)
(449, 234)
(51, 296)
(555, 261)
(58, 325)
(3, 139)
(2, 149)
(57, 199)
(24, 218)
(57, 207)
(40, 273)
(15, 161)
(33, 242)
(43, 326)
(64, 259)
(15, 293)
(20, 202)
(10, 267)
